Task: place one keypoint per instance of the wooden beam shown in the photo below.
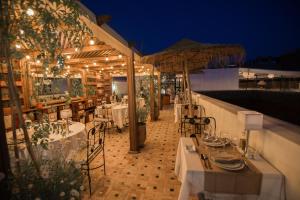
(85, 49)
(152, 97)
(159, 90)
(189, 86)
(133, 132)
(100, 59)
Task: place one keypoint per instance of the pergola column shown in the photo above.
(189, 86)
(159, 90)
(133, 133)
(152, 97)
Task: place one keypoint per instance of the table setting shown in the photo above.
(215, 168)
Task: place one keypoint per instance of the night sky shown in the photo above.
(263, 27)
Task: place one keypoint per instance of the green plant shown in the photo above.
(77, 87)
(142, 115)
(59, 179)
(91, 90)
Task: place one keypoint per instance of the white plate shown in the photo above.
(231, 167)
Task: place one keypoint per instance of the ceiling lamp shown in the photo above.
(94, 63)
(29, 12)
(86, 66)
(120, 56)
(102, 68)
(27, 57)
(92, 42)
(21, 32)
(68, 57)
(38, 61)
(123, 64)
(271, 76)
(68, 66)
(76, 49)
(112, 67)
(106, 59)
(143, 67)
(18, 46)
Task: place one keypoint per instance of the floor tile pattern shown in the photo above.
(144, 176)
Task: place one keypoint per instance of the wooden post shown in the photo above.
(159, 90)
(183, 83)
(133, 133)
(152, 98)
(189, 86)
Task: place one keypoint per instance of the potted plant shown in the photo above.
(142, 115)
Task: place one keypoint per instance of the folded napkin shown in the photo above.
(227, 159)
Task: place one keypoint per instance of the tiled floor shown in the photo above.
(147, 175)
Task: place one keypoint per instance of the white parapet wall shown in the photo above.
(278, 142)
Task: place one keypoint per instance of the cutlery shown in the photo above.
(203, 159)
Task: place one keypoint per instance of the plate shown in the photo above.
(231, 167)
(217, 143)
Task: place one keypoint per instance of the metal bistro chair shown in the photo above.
(95, 147)
(197, 112)
(184, 113)
(104, 115)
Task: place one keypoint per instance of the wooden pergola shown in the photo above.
(187, 56)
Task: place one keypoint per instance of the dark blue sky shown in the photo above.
(263, 27)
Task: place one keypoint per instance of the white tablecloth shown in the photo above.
(58, 145)
(119, 113)
(190, 172)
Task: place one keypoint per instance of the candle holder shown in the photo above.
(66, 114)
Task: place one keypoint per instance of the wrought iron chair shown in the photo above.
(104, 115)
(95, 147)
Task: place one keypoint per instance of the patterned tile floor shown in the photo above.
(147, 175)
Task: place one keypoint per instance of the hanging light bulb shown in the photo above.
(92, 42)
(29, 12)
(123, 64)
(18, 46)
(94, 63)
(106, 59)
(120, 56)
(27, 57)
(76, 49)
(111, 67)
(21, 32)
(68, 57)
(102, 68)
(143, 67)
(86, 66)
(68, 66)
(38, 61)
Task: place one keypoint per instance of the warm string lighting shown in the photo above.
(106, 59)
(120, 56)
(27, 57)
(123, 64)
(92, 42)
(68, 57)
(29, 12)
(18, 46)
(94, 63)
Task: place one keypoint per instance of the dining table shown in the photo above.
(62, 145)
(192, 173)
(177, 111)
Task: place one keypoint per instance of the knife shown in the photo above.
(202, 158)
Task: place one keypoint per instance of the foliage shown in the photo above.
(44, 28)
(43, 128)
(90, 90)
(59, 180)
(77, 88)
(142, 114)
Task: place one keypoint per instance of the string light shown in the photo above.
(68, 66)
(143, 67)
(68, 57)
(18, 46)
(94, 63)
(120, 56)
(38, 61)
(92, 42)
(21, 32)
(123, 64)
(27, 57)
(106, 58)
(30, 12)
(76, 49)
(86, 66)
(112, 67)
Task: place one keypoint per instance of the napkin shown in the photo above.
(227, 159)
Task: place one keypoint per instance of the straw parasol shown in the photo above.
(187, 55)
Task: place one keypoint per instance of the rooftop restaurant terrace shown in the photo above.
(83, 115)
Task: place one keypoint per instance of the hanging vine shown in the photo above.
(38, 31)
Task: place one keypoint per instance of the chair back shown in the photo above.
(95, 141)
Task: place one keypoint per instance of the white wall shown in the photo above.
(278, 142)
(216, 79)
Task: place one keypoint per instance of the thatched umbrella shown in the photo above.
(187, 55)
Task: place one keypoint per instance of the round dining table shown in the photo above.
(59, 145)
